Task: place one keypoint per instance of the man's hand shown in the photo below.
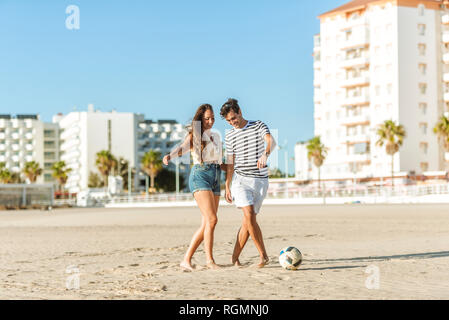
(228, 195)
(262, 162)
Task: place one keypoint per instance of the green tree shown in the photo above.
(166, 181)
(106, 163)
(95, 181)
(317, 152)
(60, 172)
(152, 165)
(441, 129)
(391, 135)
(32, 170)
(276, 173)
(5, 174)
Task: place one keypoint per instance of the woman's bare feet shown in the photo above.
(263, 262)
(212, 265)
(186, 266)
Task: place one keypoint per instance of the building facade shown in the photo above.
(377, 61)
(25, 138)
(126, 135)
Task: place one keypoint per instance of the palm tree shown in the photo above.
(441, 129)
(5, 174)
(60, 173)
(152, 165)
(317, 152)
(105, 163)
(32, 170)
(392, 136)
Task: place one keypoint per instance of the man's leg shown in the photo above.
(242, 238)
(255, 233)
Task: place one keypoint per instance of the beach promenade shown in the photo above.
(350, 252)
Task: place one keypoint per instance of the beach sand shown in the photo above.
(135, 253)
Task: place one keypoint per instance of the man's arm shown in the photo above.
(229, 173)
(271, 144)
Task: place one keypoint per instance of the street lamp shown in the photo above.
(285, 148)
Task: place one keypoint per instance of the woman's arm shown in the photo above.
(179, 151)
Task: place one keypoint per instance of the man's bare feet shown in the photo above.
(263, 262)
(212, 265)
(186, 266)
(235, 262)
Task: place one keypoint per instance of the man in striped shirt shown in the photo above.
(248, 146)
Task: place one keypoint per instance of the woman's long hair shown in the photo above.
(196, 135)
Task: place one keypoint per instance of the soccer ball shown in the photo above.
(290, 258)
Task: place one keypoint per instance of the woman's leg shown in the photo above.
(208, 205)
(194, 244)
(198, 237)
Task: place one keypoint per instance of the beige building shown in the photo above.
(377, 61)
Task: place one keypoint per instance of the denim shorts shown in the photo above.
(205, 177)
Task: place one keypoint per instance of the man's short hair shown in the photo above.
(230, 105)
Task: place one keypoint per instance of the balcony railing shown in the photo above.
(352, 120)
(354, 61)
(358, 138)
(356, 100)
(356, 81)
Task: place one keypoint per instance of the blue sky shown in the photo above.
(164, 59)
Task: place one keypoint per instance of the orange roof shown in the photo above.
(362, 4)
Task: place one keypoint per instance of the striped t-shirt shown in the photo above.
(248, 145)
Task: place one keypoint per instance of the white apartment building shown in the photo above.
(25, 138)
(124, 134)
(162, 136)
(376, 61)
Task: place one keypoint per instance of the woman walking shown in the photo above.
(204, 180)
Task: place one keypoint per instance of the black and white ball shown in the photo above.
(290, 258)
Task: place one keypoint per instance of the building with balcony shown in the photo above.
(25, 138)
(375, 61)
(126, 135)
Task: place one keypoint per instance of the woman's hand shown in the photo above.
(166, 159)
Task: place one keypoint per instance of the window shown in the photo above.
(423, 108)
(389, 88)
(421, 29)
(389, 49)
(377, 50)
(422, 68)
(423, 88)
(421, 10)
(423, 128)
(49, 144)
(424, 166)
(423, 146)
(377, 88)
(422, 49)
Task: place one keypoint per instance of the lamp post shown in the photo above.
(285, 147)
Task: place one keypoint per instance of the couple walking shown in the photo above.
(248, 146)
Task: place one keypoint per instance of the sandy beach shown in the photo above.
(134, 253)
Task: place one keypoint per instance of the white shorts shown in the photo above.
(247, 191)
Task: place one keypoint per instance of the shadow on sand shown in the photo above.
(426, 255)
